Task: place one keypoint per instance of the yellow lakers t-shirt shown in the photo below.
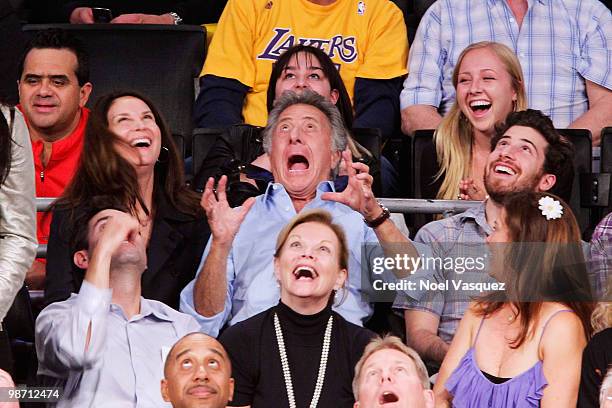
(364, 38)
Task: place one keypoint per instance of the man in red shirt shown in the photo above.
(53, 90)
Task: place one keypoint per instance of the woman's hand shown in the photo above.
(469, 191)
(223, 220)
(358, 193)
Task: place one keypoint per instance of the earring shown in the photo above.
(164, 154)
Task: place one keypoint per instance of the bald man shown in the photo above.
(197, 373)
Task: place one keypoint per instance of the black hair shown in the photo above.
(559, 155)
(79, 231)
(330, 71)
(59, 39)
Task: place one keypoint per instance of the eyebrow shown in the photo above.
(298, 236)
(128, 114)
(480, 70)
(521, 139)
(311, 67)
(215, 351)
(99, 220)
(531, 143)
(36, 76)
(394, 362)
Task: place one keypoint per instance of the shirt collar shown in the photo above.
(529, 2)
(478, 215)
(275, 188)
(147, 308)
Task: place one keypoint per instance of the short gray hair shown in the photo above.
(339, 135)
(389, 342)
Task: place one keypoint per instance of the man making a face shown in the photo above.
(391, 374)
(197, 373)
(304, 138)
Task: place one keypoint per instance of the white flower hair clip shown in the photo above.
(550, 208)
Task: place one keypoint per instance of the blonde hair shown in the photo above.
(601, 318)
(453, 138)
(389, 342)
(321, 217)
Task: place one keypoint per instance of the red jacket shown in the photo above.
(53, 179)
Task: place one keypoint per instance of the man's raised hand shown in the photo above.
(223, 220)
(358, 193)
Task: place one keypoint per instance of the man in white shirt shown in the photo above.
(107, 343)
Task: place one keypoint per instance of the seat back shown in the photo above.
(12, 44)
(606, 162)
(424, 167)
(371, 139)
(19, 324)
(159, 61)
(581, 139)
(202, 140)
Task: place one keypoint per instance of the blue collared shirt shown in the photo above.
(251, 282)
(124, 361)
(560, 45)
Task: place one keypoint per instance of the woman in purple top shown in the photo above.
(523, 347)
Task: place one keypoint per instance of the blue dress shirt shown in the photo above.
(251, 282)
(124, 362)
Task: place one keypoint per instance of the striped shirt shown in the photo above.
(559, 44)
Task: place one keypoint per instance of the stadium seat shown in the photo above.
(11, 48)
(371, 139)
(202, 141)
(424, 167)
(19, 324)
(606, 165)
(581, 139)
(158, 60)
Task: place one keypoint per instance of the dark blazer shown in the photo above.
(173, 255)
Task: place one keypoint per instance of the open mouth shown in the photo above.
(142, 142)
(480, 107)
(388, 397)
(297, 162)
(304, 273)
(504, 169)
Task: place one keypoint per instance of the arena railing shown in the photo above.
(397, 205)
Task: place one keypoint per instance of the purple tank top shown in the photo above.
(471, 389)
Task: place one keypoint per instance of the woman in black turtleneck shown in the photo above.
(288, 339)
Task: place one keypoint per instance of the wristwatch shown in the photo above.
(177, 19)
(381, 218)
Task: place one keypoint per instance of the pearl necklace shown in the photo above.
(285, 363)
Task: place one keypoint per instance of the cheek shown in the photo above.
(281, 86)
(121, 141)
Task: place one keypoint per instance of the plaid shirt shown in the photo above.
(559, 44)
(601, 258)
(462, 235)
